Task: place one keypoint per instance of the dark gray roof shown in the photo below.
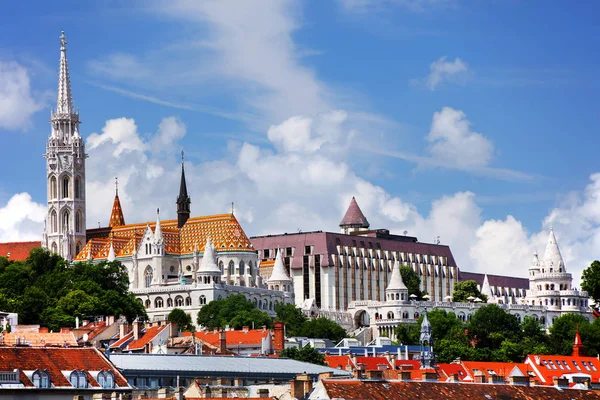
(192, 366)
(495, 280)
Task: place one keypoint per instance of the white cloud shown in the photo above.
(362, 6)
(21, 219)
(454, 144)
(17, 102)
(121, 131)
(441, 71)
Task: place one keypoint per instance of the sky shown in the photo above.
(474, 123)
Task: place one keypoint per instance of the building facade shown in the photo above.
(335, 269)
(550, 295)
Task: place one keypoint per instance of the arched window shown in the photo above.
(78, 379)
(41, 379)
(65, 221)
(242, 268)
(159, 303)
(250, 270)
(53, 187)
(178, 301)
(147, 303)
(106, 379)
(188, 301)
(77, 188)
(65, 187)
(54, 247)
(221, 266)
(203, 299)
(78, 222)
(148, 276)
(231, 267)
(53, 222)
(169, 302)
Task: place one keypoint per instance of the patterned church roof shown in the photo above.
(224, 230)
(116, 216)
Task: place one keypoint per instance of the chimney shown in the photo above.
(174, 329)
(374, 374)
(222, 342)
(519, 380)
(300, 386)
(65, 330)
(496, 379)
(405, 375)
(42, 330)
(124, 329)
(429, 376)
(245, 329)
(136, 330)
(263, 393)
(110, 319)
(561, 382)
(454, 378)
(278, 337)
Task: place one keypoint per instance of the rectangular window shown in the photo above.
(307, 249)
(289, 251)
(318, 280)
(266, 253)
(306, 277)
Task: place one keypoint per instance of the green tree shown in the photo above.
(562, 335)
(323, 328)
(465, 289)
(182, 319)
(412, 281)
(407, 334)
(306, 354)
(491, 325)
(292, 317)
(590, 280)
(235, 311)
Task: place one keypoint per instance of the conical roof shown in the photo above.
(425, 325)
(354, 216)
(208, 264)
(396, 282)
(535, 262)
(116, 215)
(158, 236)
(486, 289)
(111, 253)
(279, 273)
(552, 257)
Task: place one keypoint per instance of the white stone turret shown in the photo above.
(487, 290)
(111, 253)
(158, 241)
(396, 289)
(553, 261)
(209, 271)
(279, 279)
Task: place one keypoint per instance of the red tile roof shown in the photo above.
(447, 370)
(18, 251)
(547, 367)
(233, 337)
(56, 361)
(351, 389)
(37, 339)
(493, 368)
(373, 363)
(146, 336)
(340, 362)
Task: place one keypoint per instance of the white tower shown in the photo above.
(65, 171)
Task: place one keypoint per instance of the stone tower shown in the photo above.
(65, 171)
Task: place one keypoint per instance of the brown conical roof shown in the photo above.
(116, 216)
(354, 216)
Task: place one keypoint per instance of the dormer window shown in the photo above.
(78, 379)
(106, 379)
(41, 379)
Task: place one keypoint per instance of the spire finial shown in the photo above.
(232, 208)
(63, 41)
(157, 211)
(116, 185)
(182, 156)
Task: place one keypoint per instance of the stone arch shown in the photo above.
(169, 302)
(53, 221)
(78, 221)
(178, 301)
(242, 268)
(361, 319)
(77, 188)
(202, 299)
(159, 303)
(231, 268)
(53, 188)
(65, 186)
(148, 275)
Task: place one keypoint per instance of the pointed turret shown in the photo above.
(111, 253)
(577, 345)
(279, 279)
(158, 235)
(209, 270)
(64, 103)
(552, 257)
(396, 289)
(116, 216)
(183, 200)
(354, 219)
(486, 289)
(426, 355)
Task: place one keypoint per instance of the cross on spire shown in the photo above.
(117, 185)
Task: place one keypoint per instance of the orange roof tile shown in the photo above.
(18, 251)
(233, 337)
(340, 362)
(493, 368)
(373, 363)
(37, 339)
(146, 336)
(55, 360)
(547, 367)
(224, 230)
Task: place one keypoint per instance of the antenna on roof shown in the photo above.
(437, 240)
(405, 233)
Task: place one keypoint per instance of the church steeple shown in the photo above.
(65, 170)
(183, 200)
(116, 216)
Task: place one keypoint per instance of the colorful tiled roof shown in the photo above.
(354, 216)
(232, 337)
(116, 215)
(352, 389)
(58, 361)
(224, 230)
(18, 251)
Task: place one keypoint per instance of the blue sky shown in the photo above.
(475, 121)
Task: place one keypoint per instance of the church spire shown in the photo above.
(116, 216)
(183, 200)
(64, 103)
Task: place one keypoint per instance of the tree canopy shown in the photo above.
(235, 311)
(292, 317)
(590, 280)
(465, 289)
(412, 281)
(323, 328)
(306, 354)
(46, 290)
(182, 319)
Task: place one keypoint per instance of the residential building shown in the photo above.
(244, 342)
(17, 251)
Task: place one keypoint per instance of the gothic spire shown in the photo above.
(158, 235)
(183, 200)
(116, 216)
(64, 103)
